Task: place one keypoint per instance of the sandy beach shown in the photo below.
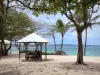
(55, 65)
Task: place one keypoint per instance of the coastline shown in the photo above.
(61, 55)
(92, 50)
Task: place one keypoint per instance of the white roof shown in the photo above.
(33, 38)
(6, 41)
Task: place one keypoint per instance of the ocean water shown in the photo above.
(92, 50)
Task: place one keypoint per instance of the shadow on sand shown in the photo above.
(10, 56)
(43, 60)
(91, 66)
(11, 73)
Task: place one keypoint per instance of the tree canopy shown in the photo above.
(19, 24)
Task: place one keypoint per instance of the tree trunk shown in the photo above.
(1, 5)
(85, 42)
(10, 45)
(85, 16)
(2, 26)
(54, 42)
(80, 49)
(4, 51)
(1, 49)
(62, 42)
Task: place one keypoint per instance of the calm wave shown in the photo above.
(92, 50)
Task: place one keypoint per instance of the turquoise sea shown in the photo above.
(92, 50)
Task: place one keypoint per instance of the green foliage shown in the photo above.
(61, 27)
(19, 24)
(55, 6)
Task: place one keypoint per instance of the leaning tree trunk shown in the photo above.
(1, 20)
(54, 42)
(80, 49)
(85, 42)
(1, 5)
(62, 42)
(4, 51)
(1, 49)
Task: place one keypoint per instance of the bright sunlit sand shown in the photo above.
(55, 65)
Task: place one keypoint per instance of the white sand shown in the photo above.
(55, 65)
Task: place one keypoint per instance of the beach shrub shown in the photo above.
(60, 52)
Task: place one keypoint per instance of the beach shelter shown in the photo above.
(33, 38)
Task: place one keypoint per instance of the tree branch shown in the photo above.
(91, 14)
(71, 18)
(26, 5)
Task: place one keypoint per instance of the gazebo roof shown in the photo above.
(6, 41)
(33, 37)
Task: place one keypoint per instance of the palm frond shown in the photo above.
(59, 23)
(92, 24)
(96, 23)
(95, 18)
(73, 30)
(61, 27)
(72, 26)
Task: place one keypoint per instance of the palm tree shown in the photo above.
(61, 28)
(91, 22)
(53, 34)
(51, 31)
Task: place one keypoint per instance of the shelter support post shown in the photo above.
(23, 47)
(45, 51)
(26, 47)
(41, 49)
(26, 51)
(37, 46)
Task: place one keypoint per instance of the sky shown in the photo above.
(70, 37)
